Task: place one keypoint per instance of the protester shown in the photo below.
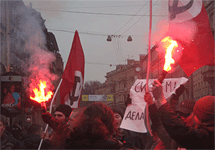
(174, 99)
(94, 129)
(32, 141)
(118, 116)
(6, 142)
(129, 139)
(161, 139)
(128, 100)
(59, 125)
(201, 136)
(74, 116)
(17, 130)
(185, 111)
(62, 113)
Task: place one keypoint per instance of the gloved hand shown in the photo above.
(179, 90)
(158, 93)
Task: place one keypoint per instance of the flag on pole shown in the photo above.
(189, 24)
(73, 75)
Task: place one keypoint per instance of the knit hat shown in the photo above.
(65, 109)
(185, 108)
(204, 108)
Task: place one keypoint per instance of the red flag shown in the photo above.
(73, 75)
(189, 24)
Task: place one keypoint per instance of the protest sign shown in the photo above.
(133, 118)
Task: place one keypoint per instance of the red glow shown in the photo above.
(169, 45)
(40, 93)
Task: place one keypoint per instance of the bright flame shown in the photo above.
(169, 45)
(40, 94)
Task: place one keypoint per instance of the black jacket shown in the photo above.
(32, 141)
(188, 137)
(158, 127)
(92, 144)
(6, 141)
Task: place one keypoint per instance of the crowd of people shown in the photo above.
(188, 125)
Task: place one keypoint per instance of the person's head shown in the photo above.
(12, 88)
(185, 108)
(76, 113)
(5, 90)
(101, 112)
(118, 116)
(97, 122)
(2, 125)
(35, 129)
(204, 110)
(62, 112)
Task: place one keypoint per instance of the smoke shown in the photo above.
(183, 33)
(160, 30)
(30, 48)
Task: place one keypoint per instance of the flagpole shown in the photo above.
(148, 67)
(41, 141)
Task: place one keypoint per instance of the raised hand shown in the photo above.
(148, 98)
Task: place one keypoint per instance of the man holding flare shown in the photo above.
(201, 136)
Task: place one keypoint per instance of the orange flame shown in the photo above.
(169, 45)
(40, 94)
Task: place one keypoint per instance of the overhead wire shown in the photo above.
(106, 6)
(138, 20)
(92, 63)
(89, 33)
(95, 13)
(115, 50)
(131, 18)
(80, 32)
(117, 46)
(120, 52)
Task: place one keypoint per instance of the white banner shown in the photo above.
(132, 119)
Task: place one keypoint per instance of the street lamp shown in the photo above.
(109, 38)
(129, 38)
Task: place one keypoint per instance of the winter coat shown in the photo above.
(32, 141)
(133, 139)
(60, 132)
(188, 137)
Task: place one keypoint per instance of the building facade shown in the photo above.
(17, 35)
(119, 81)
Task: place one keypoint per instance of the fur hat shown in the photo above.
(204, 108)
(185, 108)
(65, 109)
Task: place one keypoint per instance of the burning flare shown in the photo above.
(40, 94)
(169, 44)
